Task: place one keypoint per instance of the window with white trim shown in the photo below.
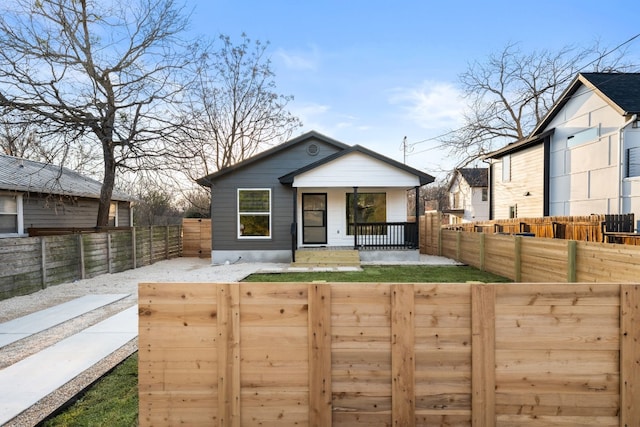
(506, 168)
(11, 222)
(113, 214)
(254, 213)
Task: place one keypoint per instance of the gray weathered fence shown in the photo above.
(28, 264)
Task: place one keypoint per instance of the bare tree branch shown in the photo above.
(109, 75)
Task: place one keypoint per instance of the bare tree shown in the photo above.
(236, 108)
(511, 92)
(109, 74)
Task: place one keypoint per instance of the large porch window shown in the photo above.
(372, 208)
(254, 213)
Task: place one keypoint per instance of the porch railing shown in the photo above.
(385, 235)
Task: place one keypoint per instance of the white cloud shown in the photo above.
(298, 60)
(432, 105)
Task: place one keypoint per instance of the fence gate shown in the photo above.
(196, 237)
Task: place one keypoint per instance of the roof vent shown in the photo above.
(313, 149)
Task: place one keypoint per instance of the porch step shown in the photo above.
(327, 258)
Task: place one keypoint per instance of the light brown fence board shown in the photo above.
(504, 354)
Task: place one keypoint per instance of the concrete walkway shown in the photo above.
(25, 382)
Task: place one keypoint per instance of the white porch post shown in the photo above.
(355, 218)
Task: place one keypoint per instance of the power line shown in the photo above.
(435, 138)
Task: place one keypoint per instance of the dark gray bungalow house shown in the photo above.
(304, 193)
(35, 194)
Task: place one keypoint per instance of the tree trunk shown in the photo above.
(107, 187)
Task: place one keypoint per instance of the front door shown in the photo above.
(314, 218)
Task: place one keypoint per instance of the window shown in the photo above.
(113, 214)
(633, 162)
(372, 207)
(506, 168)
(254, 213)
(11, 214)
(583, 136)
(513, 211)
(485, 194)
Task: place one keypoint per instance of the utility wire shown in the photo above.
(437, 137)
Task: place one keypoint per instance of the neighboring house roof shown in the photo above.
(207, 180)
(475, 177)
(424, 178)
(17, 174)
(520, 145)
(620, 90)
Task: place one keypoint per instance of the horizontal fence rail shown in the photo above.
(30, 264)
(386, 235)
(527, 259)
(322, 354)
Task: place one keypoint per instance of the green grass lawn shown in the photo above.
(113, 401)
(388, 273)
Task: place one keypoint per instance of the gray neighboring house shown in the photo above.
(41, 195)
(303, 194)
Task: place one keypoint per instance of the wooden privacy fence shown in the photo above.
(527, 259)
(321, 354)
(196, 237)
(33, 263)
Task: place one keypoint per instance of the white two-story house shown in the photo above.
(582, 158)
(468, 195)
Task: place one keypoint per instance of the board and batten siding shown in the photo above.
(356, 169)
(527, 177)
(263, 173)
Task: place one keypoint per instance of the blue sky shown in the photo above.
(371, 72)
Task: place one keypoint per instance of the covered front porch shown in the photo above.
(371, 221)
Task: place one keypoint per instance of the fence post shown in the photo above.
(43, 258)
(81, 249)
(629, 354)
(572, 247)
(482, 243)
(439, 251)
(109, 264)
(228, 345)
(483, 355)
(403, 361)
(150, 244)
(133, 247)
(517, 259)
(166, 242)
(458, 245)
(319, 341)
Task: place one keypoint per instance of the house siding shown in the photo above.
(583, 178)
(356, 169)
(527, 176)
(264, 174)
(41, 210)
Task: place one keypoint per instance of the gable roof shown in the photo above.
(620, 90)
(206, 180)
(475, 177)
(17, 174)
(424, 178)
